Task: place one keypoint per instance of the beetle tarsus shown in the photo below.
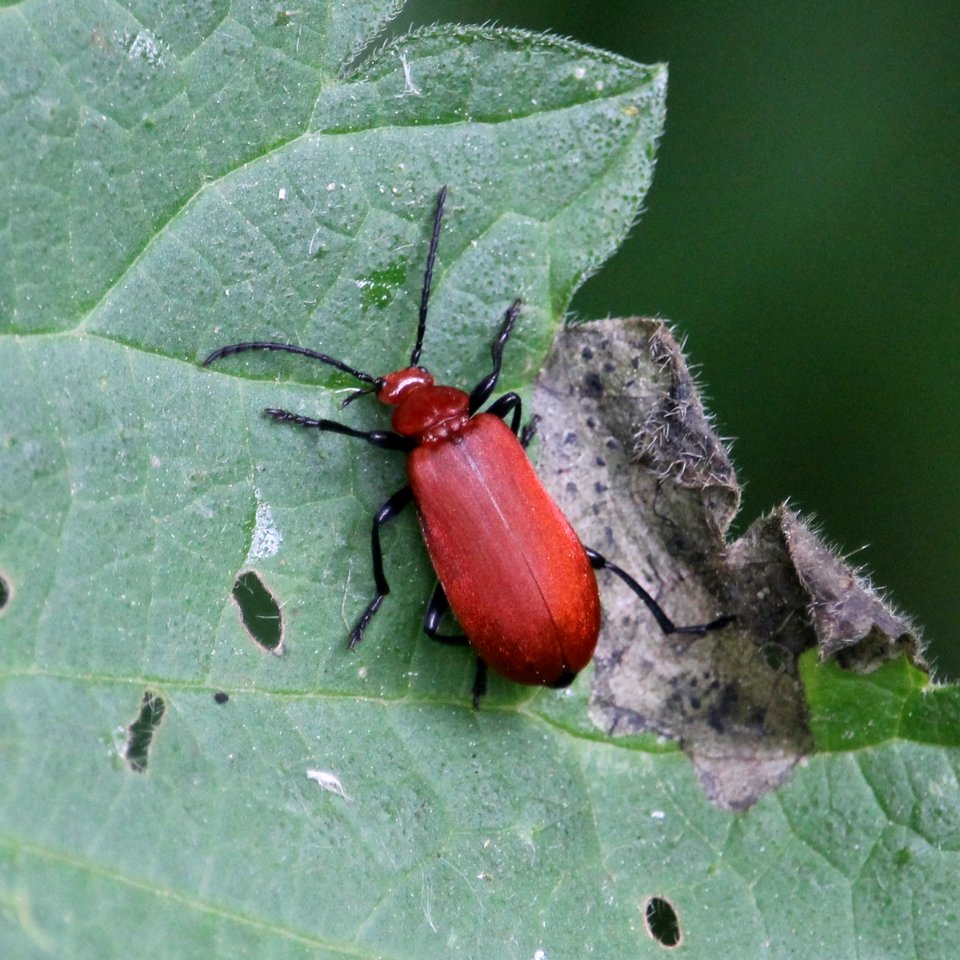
(529, 431)
(481, 392)
(356, 634)
(479, 689)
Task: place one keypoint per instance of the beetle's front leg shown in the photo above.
(386, 439)
(481, 392)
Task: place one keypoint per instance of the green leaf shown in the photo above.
(182, 177)
(896, 701)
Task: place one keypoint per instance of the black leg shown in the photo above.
(436, 608)
(510, 403)
(387, 512)
(529, 431)
(479, 683)
(481, 392)
(386, 439)
(599, 562)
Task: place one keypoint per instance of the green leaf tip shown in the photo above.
(896, 701)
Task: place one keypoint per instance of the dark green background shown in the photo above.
(804, 230)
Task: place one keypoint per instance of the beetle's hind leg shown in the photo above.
(599, 562)
(437, 606)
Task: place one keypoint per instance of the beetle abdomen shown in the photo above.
(514, 571)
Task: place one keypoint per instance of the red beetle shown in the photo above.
(509, 565)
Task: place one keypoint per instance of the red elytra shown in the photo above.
(511, 568)
(536, 617)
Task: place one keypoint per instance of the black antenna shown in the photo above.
(291, 348)
(428, 277)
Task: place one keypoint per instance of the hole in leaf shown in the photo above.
(5, 592)
(140, 732)
(259, 611)
(221, 697)
(662, 922)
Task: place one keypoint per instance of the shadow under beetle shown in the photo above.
(509, 565)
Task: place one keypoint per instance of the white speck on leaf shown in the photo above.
(267, 537)
(328, 781)
(409, 87)
(120, 741)
(144, 46)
